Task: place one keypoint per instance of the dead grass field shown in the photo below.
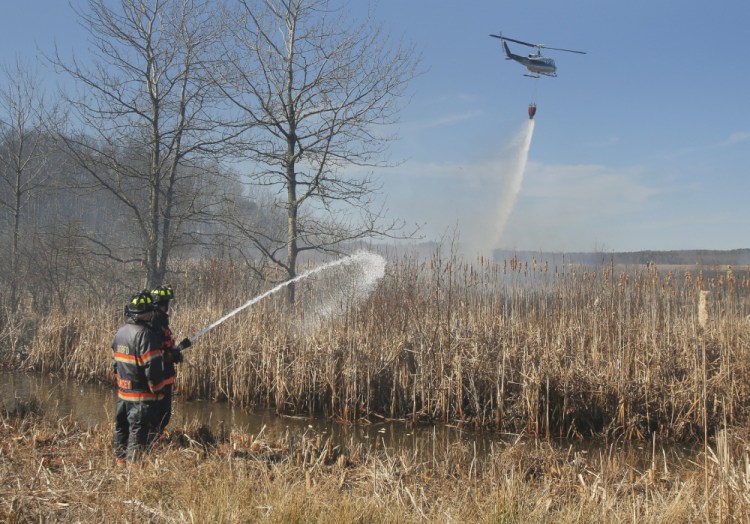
(635, 357)
(56, 471)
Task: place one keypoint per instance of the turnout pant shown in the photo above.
(164, 408)
(134, 421)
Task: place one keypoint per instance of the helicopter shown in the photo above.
(535, 63)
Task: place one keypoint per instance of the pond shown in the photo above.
(94, 404)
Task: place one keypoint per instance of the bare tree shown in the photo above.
(318, 93)
(149, 119)
(24, 149)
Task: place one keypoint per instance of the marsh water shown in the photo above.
(94, 404)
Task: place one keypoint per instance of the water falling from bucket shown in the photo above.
(370, 269)
(508, 202)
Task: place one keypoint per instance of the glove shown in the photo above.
(184, 344)
(177, 356)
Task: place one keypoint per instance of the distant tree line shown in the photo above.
(221, 128)
(684, 257)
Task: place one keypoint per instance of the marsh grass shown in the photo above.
(58, 471)
(522, 347)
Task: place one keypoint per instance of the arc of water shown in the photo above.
(508, 202)
(359, 256)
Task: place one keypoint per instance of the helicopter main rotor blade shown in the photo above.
(560, 49)
(501, 37)
(538, 46)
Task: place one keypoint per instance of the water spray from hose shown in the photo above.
(373, 269)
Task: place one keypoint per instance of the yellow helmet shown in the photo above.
(162, 294)
(140, 304)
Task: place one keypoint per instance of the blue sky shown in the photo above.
(642, 143)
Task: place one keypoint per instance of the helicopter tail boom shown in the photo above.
(508, 54)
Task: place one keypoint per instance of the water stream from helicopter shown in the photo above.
(522, 144)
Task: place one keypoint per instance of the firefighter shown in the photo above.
(138, 365)
(162, 297)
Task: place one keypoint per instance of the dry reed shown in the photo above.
(518, 346)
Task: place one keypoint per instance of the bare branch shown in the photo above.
(318, 92)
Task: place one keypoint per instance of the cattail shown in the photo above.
(703, 309)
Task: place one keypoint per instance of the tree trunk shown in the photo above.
(292, 249)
